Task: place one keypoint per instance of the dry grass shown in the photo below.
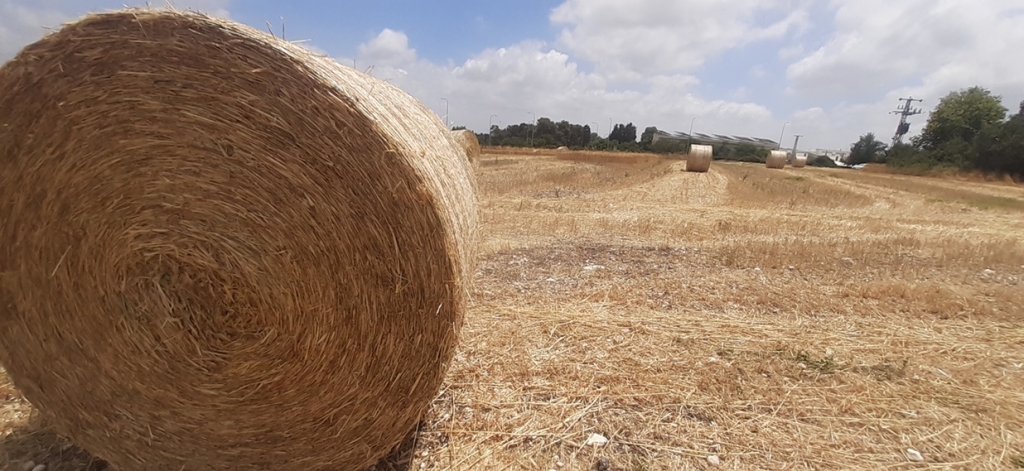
(811, 319)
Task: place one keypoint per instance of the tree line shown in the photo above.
(969, 129)
(549, 134)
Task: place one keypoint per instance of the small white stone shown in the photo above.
(28, 465)
(914, 455)
(559, 464)
(39, 467)
(713, 460)
(424, 453)
(989, 272)
(791, 267)
(596, 439)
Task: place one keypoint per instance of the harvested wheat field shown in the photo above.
(744, 318)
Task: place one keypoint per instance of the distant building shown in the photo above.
(716, 139)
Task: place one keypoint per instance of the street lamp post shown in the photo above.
(690, 135)
(446, 113)
(490, 124)
(783, 134)
(533, 127)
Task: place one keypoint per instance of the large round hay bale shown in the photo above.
(776, 159)
(469, 143)
(699, 158)
(219, 251)
(799, 161)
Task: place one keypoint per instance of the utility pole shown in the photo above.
(904, 111)
(796, 140)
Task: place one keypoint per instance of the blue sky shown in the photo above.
(832, 69)
(441, 31)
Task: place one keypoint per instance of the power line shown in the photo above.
(904, 111)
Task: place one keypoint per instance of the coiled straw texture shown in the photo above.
(220, 251)
(699, 158)
(776, 159)
(469, 143)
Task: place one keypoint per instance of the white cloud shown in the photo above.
(632, 39)
(643, 62)
(881, 51)
(534, 77)
(791, 51)
(879, 45)
(387, 48)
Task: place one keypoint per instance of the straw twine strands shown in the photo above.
(219, 251)
(776, 159)
(469, 143)
(799, 162)
(699, 158)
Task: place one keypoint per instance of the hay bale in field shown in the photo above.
(699, 158)
(469, 143)
(776, 159)
(220, 251)
(799, 162)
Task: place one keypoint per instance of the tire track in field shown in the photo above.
(675, 187)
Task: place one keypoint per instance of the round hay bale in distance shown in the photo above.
(699, 158)
(469, 143)
(776, 159)
(221, 251)
(799, 161)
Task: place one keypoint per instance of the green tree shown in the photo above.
(647, 138)
(623, 133)
(867, 149)
(999, 148)
(907, 155)
(959, 116)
